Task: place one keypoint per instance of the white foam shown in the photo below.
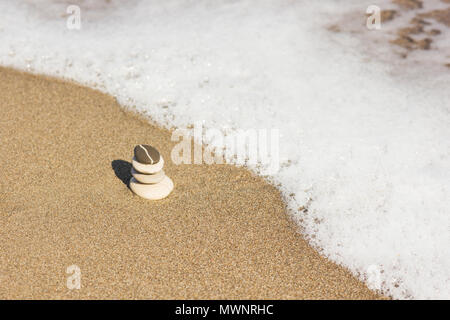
(374, 43)
(369, 150)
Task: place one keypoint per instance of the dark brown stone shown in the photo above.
(387, 15)
(442, 16)
(404, 32)
(434, 32)
(146, 154)
(409, 4)
(405, 42)
(424, 44)
(417, 20)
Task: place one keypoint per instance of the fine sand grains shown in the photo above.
(222, 233)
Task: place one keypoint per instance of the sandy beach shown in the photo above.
(222, 233)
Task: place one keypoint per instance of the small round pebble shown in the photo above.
(152, 191)
(147, 168)
(146, 154)
(148, 178)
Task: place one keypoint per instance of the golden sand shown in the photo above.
(222, 233)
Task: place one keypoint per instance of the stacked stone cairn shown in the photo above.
(149, 180)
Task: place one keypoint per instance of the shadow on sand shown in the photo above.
(122, 169)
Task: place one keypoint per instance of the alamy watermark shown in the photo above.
(254, 147)
(74, 280)
(374, 19)
(74, 18)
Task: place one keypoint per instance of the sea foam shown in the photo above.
(365, 148)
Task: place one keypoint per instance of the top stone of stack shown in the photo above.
(146, 154)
